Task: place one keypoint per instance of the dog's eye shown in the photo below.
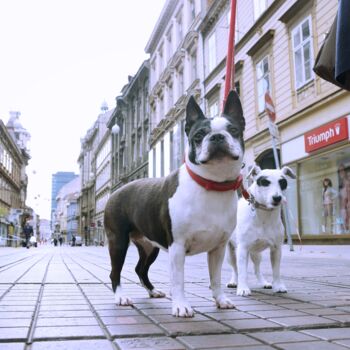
(262, 181)
(198, 137)
(283, 184)
(233, 130)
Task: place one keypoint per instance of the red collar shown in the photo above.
(210, 185)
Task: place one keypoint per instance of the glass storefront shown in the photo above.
(323, 191)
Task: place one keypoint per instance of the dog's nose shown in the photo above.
(217, 138)
(277, 199)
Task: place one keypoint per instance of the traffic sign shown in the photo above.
(269, 107)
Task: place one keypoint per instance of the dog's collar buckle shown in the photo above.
(210, 185)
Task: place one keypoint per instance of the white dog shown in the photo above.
(259, 226)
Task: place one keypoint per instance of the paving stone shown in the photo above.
(260, 307)
(303, 321)
(64, 307)
(65, 313)
(251, 324)
(92, 344)
(281, 337)
(135, 330)
(171, 318)
(325, 311)
(15, 322)
(339, 318)
(233, 315)
(66, 321)
(125, 320)
(13, 334)
(193, 327)
(15, 314)
(218, 341)
(344, 342)
(277, 313)
(117, 313)
(67, 332)
(255, 347)
(329, 333)
(156, 343)
(314, 345)
(12, 346)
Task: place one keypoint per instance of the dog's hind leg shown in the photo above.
(256, 258)
(231, 258)
(118, 246)
(148, 255)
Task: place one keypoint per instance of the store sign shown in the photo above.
(326, 135)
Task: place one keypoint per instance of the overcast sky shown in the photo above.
(59, 60)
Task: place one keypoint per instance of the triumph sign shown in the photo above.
(326, 135)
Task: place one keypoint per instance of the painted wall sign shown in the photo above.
(326, 135)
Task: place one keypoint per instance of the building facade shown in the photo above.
(14, 157)
(90, 145)
(59, 179)
(276, 44)
(129, 153)
(176, 56)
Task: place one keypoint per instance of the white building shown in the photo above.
(175, 74)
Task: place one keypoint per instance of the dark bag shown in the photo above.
(330, 57)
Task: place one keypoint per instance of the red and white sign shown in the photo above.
(326, 135)
(270, 107)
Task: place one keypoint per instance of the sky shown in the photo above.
(59, 60)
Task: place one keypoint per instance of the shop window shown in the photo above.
(302, 53)
(325, 209)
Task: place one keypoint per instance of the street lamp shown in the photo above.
(115, 129)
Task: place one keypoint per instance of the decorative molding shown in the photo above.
(261, 42)
(294, 9)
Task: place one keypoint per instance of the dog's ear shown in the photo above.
(254, 171)
(193, 113)
(233, 109)
(288, 172)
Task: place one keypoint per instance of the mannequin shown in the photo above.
(328, 196)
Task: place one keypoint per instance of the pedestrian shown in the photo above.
(61, 240)
(28, 231)
(55, 241)
(73, 241)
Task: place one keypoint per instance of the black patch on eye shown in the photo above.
(263, 181)
(283, 183)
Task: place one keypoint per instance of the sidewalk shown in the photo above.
(61, 298)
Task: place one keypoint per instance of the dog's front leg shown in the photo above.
(242, 265)
(180, 306)
(215, 260)
(275, 256)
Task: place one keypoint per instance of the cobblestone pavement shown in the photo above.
(61, 298)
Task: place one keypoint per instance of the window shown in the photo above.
(302, 52)
(263, 82)
(193, 59)
(179, 27)
(213, 109)
(180, 81)
(259, 7)
(212, 52)
(192, 10)
(169, 49)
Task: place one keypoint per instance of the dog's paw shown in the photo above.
(243, 292)
(155, 293)
(224, 302)
(123, 300)
(231, 285)
(267, 286)
(279, 287)
(182, 310)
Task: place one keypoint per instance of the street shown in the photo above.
(61, 298)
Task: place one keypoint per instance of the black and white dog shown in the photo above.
(192, 210)
(259, 226)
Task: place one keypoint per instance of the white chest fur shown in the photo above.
(201, 219)
(258, 229)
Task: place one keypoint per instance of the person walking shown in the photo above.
(28, 232)
(60, 239)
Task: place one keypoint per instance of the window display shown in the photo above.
(324, 193)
